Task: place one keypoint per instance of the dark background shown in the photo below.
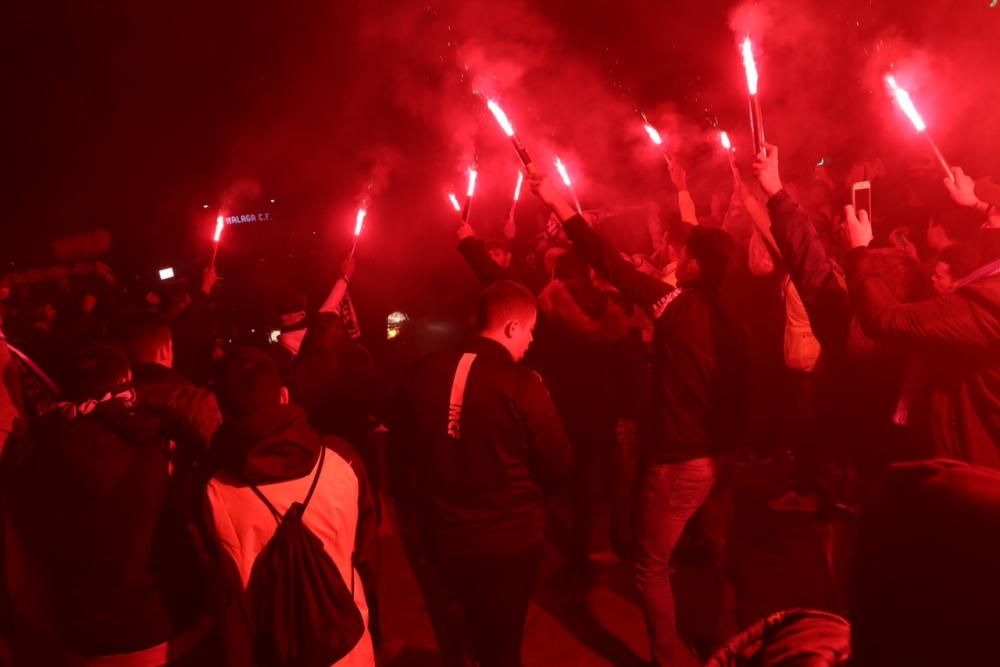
(134, 115)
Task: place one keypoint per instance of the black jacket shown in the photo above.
(481, 493)
(159, 386)
(699, 357)
(105, 563)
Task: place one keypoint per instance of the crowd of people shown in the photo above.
(170, 496)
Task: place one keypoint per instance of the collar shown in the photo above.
(987, 271)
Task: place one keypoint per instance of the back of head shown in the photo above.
(714, 251)
(926, 588)
(145, 336)
(250, 383)
(901, 273)
(502, 302)
(95, 370)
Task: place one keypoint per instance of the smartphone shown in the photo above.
(167, 273)
(861, 197)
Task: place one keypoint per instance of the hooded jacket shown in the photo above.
(99, 558)
(278, 451)
(699, 359)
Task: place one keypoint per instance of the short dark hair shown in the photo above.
(498, 244)
(503, 301)
(93, 370)
(961, 258)
(144, 335)
(714, 251)
(250, 382)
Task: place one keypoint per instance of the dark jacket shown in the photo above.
(157, 385)
(699, 359)
(482, 493)
(859, 380)
(963, 330)
(104, 562)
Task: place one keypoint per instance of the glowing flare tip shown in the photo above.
(517, 188)
(454, 202)
(472, 182)
(561, 168)
(220, 222)
(750, 66)
(726, 143)
(906, 104)
(501, 117)
(653, 134)
(360, 221)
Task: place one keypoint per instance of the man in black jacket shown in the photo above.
(479, 444)
(698, 396)
(151, 351)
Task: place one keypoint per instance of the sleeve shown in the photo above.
(950, 318)
(685, 204)
(812, 271)
(474, 252)
(549, 450)
(636, 286)
(336, 295)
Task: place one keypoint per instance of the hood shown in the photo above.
(797, 637)
(274, 445)
(558, 304)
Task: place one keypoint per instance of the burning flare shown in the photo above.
(220, 222)
(724, 140)
(501, 117)
(473, 174)
(906, 104)
(454, 202)
(360, 221)
(750, 66)
(653, 134)
(561, 168)
(517, 188)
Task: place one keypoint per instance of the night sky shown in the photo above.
(132, 115)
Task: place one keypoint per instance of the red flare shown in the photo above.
(220, 222)
(501, 117)
(750, 65)
(454, 202)
(906, 104)
(517, 188)
(653, 134)
(359, 222)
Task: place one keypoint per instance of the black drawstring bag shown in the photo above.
(304, 615)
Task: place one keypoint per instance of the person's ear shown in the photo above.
(283, 396)
(510, 329)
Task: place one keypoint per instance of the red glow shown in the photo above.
(360, 221)
(220, 222)
(653, 134)
(750, 65)
(724, 139)
(454, 202)
(906, 104)
(517, 188)
(561, 168)
(472, 182)
(501, 117)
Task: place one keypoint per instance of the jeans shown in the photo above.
(494, 593)
(669, 496)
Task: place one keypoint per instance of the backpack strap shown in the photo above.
(305, 503)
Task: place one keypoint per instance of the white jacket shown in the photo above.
(244, 525)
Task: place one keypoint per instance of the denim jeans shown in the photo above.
(669, 496)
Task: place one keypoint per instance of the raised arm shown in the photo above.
(599, 252)
(811, 269)
(336, 295)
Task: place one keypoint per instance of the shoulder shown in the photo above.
(340, 452)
